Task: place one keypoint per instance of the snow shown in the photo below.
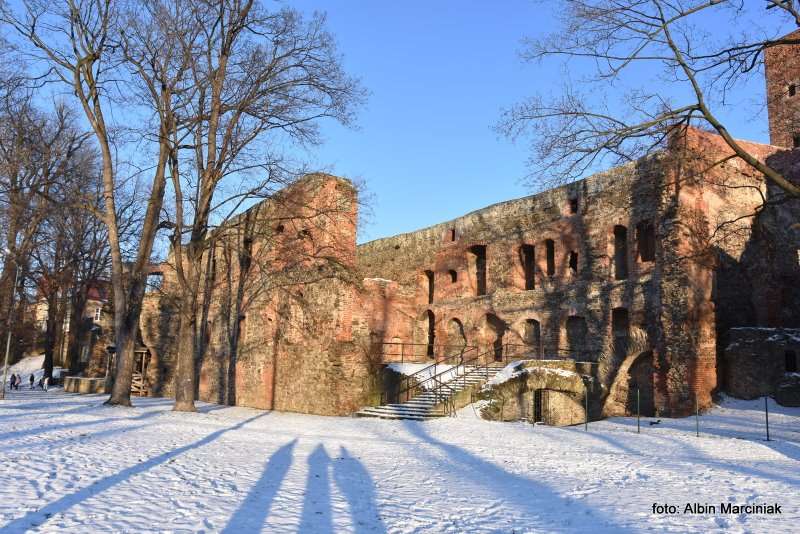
(26, 366)
(516, 369)
(70, 464)
(510, 371)
(444, 372)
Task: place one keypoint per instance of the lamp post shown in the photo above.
(8, 324)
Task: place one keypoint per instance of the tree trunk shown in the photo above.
(51, 336)
(185, 369)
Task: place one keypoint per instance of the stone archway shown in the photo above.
(493, 333)
(636, 371)
(456, 337)
(424, 335)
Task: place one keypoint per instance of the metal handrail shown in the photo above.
(418, 384)
(406, 383)
(481, 361)
(409, 351)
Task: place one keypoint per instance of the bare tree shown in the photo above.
(40, 157)
(260, 78)
(574, 132)
(77, 43)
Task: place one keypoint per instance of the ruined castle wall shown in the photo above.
(782, 66)
(691, 203)
(587, 290)
(281, 276)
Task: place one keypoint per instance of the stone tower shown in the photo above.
(782, 66)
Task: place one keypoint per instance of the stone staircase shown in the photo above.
(432, 403)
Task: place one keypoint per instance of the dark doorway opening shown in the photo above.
(431, 332)
(478, 253)
(538, 404)
(528, 253)
(429, 279)
(620, 253)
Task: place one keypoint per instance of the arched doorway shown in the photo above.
(532, 336)
(456, 338)
(431, 323)
(576, 337)
(495, 330)
(640, 378)
(620, 326)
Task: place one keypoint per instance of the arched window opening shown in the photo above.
(430, 286)
(620, 252)
(528, 253)
(431, 332)
(573, 262)
(550, 251)
(453, 276)
(478, 263)
(452, 234)
(620, 326)
(456, 338)
(576, 337)
(497, 329)
(573, 205)
(533, 337)
(646, 241)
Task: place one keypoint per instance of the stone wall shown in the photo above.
(782, 65)
(655, 244)
(278, 330)
(551, 392)
(759, 360)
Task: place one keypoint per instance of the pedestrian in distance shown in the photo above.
(46, 382)
(40, 383)
(12, 381)
(31, 380)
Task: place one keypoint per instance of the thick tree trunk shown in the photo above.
(123, 368)
(185, 369)
(76, 330)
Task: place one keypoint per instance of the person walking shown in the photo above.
(13, 383)
(31, 380)
(46, 382)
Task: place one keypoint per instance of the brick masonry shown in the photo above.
(678, 245)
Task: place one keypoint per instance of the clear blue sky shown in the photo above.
(439, 73)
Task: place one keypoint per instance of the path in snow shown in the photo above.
(70, 464)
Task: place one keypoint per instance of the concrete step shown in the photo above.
(388, 413)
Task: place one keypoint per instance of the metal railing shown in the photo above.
(398, 352)
(432, 377)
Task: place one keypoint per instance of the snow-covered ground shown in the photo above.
(70, 464)
(26, 367)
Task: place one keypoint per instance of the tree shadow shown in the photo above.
(539, 502)
(254, 509)
(78, 424)
(35, 518)
(76, 440)
(317, 513)
(354, 481)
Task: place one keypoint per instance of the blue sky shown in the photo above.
(439, 73)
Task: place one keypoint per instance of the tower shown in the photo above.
(782, 69)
